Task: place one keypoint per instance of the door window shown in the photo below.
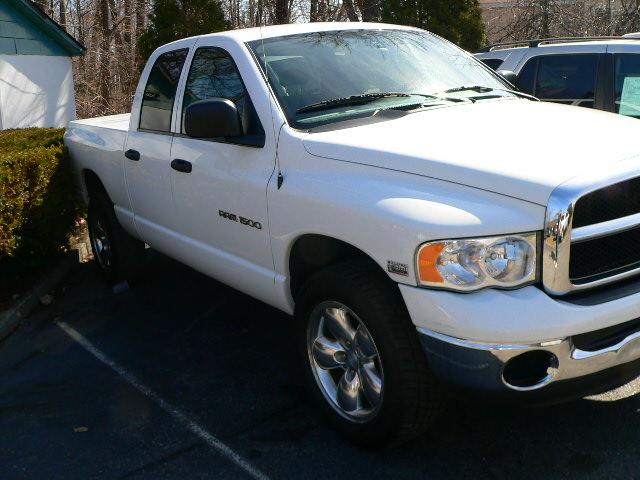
(627, 84)
(160, 92)
(214, 74)
(568, 79)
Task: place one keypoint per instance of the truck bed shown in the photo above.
(112, 122)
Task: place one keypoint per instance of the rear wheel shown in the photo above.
(365, 366)
(117, 254)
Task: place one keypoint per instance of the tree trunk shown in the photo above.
(141, 16)
(63, 14)
(128, 47)
(43, 4)
(545, 30)
(313, 11)
(104, 55)
(350, 10)
(80, 22)
(281, 14)
(370, 10)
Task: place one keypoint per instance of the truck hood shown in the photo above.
(518, 148)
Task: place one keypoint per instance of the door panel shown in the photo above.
(149, 184)
(221, 203)
(148, 151)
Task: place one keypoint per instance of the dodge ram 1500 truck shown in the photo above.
(425, 223)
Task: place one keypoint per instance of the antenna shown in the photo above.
(269, 89)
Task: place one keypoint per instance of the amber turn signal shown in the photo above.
(427, 261)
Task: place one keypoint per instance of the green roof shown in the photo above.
(26, 30)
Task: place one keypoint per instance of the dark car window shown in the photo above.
(567, 79)
(493, 63)
(214, 74)
(627, 82)
(527, 76)
(160, 92)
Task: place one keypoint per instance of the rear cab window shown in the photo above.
(160, 91)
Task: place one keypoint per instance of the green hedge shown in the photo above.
(37, 200)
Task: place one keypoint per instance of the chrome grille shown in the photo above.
(592, 230)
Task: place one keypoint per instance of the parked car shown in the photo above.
(341, 172)
(601, 73)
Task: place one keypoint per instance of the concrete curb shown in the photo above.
(10, 319)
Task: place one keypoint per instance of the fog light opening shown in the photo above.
(530, 371)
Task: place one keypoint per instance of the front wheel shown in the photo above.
(365, 366)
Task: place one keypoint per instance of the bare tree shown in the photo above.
(104, 53)
(63, 14)
(526, 19)
(107, 75)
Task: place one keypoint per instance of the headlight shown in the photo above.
(471, 264)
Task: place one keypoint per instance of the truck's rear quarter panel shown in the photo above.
(97, 145)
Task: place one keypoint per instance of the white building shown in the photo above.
(36, 76)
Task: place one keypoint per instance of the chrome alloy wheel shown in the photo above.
(101, 244)
(345, 362)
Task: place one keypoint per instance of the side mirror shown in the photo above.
(212, 118)
(510, 77)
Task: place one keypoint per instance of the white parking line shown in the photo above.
(192, 426)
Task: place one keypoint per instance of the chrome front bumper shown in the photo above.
(522, 367)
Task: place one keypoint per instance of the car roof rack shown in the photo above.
(539, 41)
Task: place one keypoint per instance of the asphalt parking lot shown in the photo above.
(182, 377)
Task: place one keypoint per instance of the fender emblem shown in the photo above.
(398, 268)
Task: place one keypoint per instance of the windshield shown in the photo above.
(353, 73)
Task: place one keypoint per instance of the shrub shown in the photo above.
(37, 199)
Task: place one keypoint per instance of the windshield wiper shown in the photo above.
(471, 88)
(352, 100)
(482, 89)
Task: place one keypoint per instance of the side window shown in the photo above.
(160, 92)
(527, 76)
(627, 84)
(568, 79)
(493, 63)
(214, 74)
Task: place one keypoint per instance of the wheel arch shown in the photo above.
(92, 185)
(312, 252)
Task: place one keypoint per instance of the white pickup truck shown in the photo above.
(426, 224)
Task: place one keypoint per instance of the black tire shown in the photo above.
(412, 398)
(125, 252)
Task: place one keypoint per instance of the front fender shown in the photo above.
(387, 214)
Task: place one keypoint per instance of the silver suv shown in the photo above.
(601, 73)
